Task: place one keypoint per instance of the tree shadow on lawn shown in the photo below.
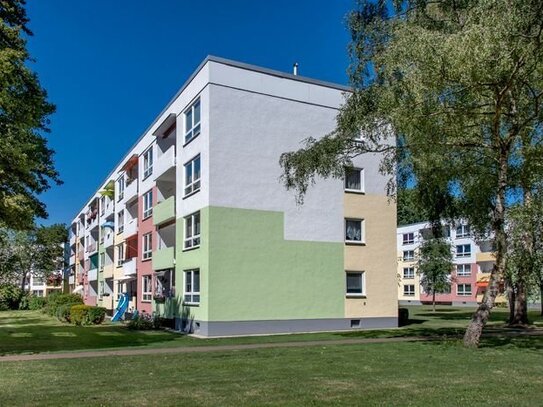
(39, 338)
(519, 342)
(5, 323)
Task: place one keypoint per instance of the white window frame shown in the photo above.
(194, 296)
(362, 276)
(121, 185)
(362, 234)
(193, 129)
(410, 275)
(146, 296)
(148, 162)
(120, 254)
(409, 293)
(102, 260)
(461, 270)
(194, 185)
(362, 187)
(147, 246)
(147, 204)
(408, 240)
(463, 253)
(464, 293)
(408, 258)
(120, 221)
(465, 231)
(120, 290)
(192, 241)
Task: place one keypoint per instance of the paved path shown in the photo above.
(222, 348)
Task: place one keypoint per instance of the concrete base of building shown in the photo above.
(464, 304)
(243, 328)
(409, 302)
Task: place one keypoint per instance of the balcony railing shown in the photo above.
(164, 162)
(93, 274)
(164, 211)
(129, 267)
(130, 228)
(130, 191)
(164, 258)
(92, 247)
(108, 239)
(485, 256)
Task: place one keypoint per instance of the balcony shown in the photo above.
(130, 191)
(108, 270)
(73, 238)
(72, 259)
(81, 252)
(93, 223)
(92, 247)
(93, 274)
(485, 256)
(130, 228)
(71, 280)
(164, 163)
(108, 239)
(164, 211)
(164, 258)
(129, 267)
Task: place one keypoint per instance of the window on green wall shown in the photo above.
(192, 287)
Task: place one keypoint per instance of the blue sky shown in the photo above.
(111, 66)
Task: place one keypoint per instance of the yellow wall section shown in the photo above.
(377, 258)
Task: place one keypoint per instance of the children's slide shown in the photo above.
(122, 306)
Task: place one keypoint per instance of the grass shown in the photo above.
(34, 332)
(391, 374)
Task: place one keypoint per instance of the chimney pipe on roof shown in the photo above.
(295, 68)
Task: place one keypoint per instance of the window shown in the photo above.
(463, 250)
(102, 260)
(147, 246)
(464, 290)
(409, 272)
(354, 179)
(148, 162)
(120, 184)
(447, 231)
(409, 290)
(192, 231)
(146, 288)
(408, 238)
(355, 284)
(120, 289)
(408, 255)
(462, 231)
(192, 176)
(120, 254)
(147, 204)
(353, 231)
(101, 289)
(192, 121)
(463, 270)
(120, 221)
(192, 286)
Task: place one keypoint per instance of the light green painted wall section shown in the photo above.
(101, 249)
(254, 274)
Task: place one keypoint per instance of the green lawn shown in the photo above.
(33, 332)
(391, 374)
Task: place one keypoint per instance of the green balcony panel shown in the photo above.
(163, 258)
(164, 211)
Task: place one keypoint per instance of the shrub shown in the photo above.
(144, 322)
(403, 316)
(87, 314)
(54, 301)
(63, 312)
(24, 302)
(35, 303)
(10, 296)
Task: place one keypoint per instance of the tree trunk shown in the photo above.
(480, 316)
(520, 316)
(511, 302)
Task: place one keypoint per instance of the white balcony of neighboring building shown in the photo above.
(130, 228)
(108, 211)
(93, 274)
(73, 238)
(164, 162)
(130, 191)
(71, 280)
(129, 267)
(92, 223)
(108, 237)
(92, 247)
(72, 259)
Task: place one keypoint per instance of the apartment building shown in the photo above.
(472, 263)
(195, 225)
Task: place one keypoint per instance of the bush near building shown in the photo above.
(55, 301)
(36, 303)
(87, 315)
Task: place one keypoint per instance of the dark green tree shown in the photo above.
(26, 163)
(462, 83)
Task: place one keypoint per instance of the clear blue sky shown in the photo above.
(110, 66)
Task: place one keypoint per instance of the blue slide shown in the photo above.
(122, 306)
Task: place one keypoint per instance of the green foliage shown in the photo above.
(435, 265)
(54, 301)
(24, 302)
(10, 296)
(144, 322)
(26, 164)
(36, 303)
(63, 312)
(87, 315)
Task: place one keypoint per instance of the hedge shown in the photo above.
(35, 303)
(54, 301)
(87, 315)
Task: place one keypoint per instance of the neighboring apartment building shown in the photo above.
(194, 223)
(472, 263)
